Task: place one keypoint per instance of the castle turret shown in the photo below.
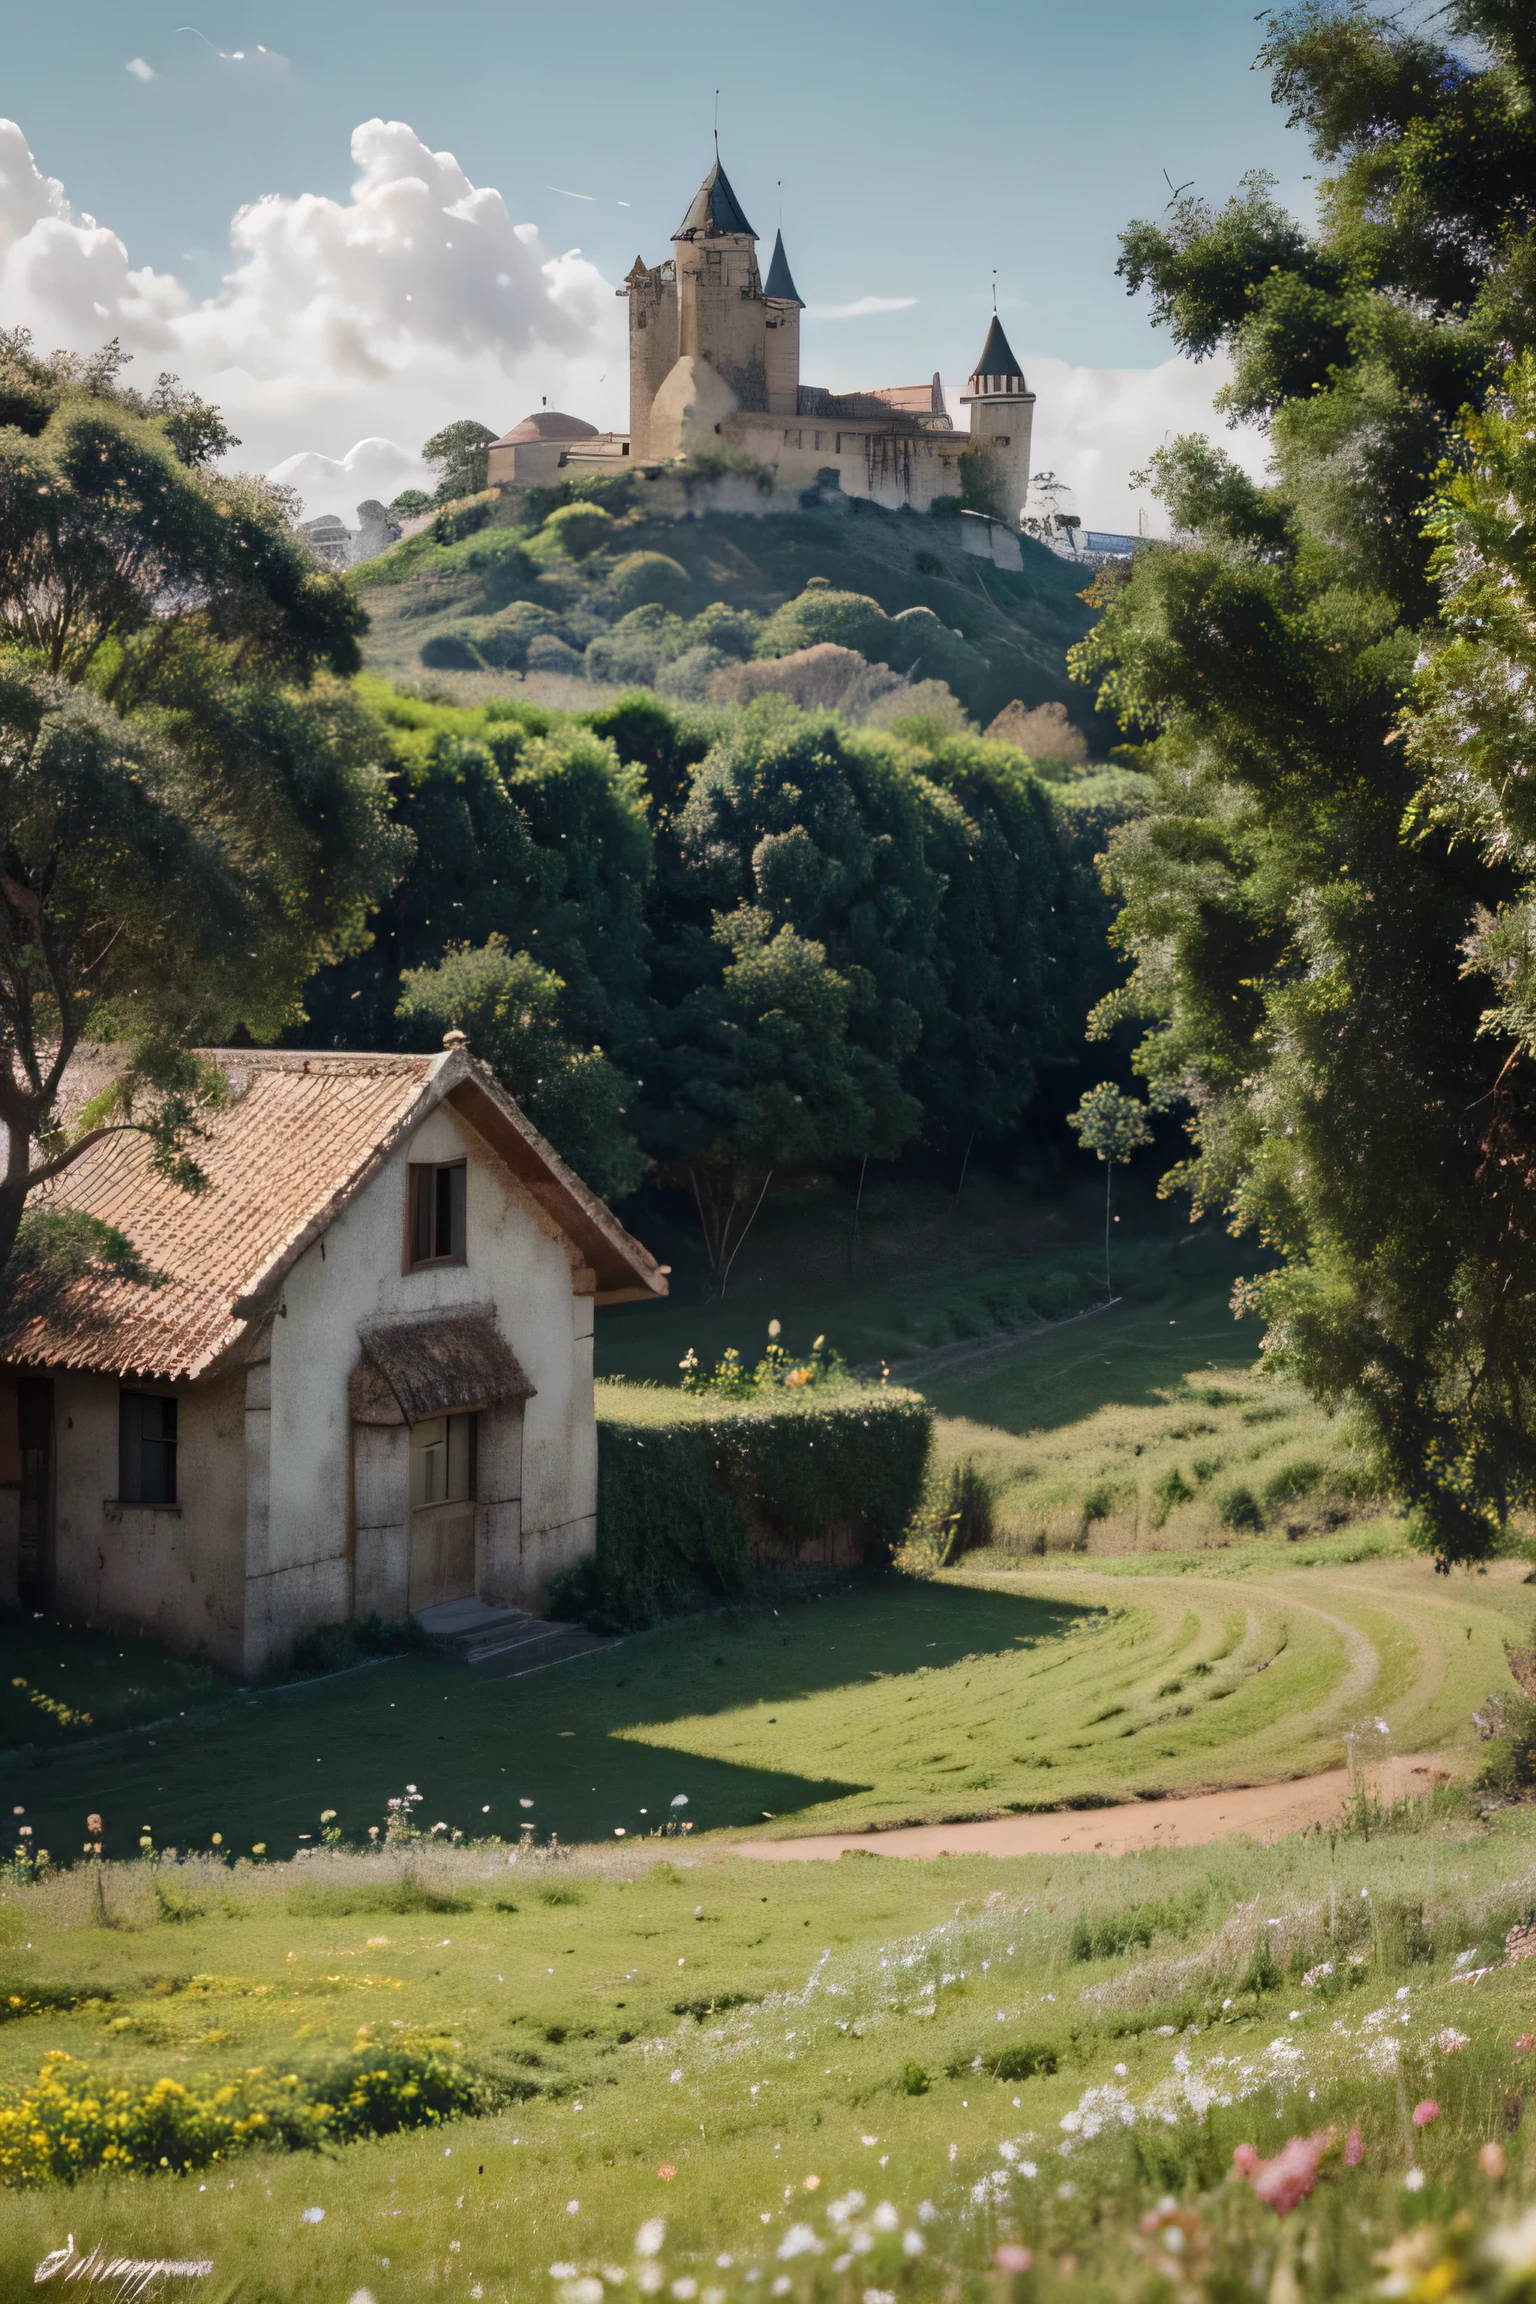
(1002, 419)
(721, 316)
(785, 306)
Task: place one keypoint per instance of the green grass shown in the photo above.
(53, 1675)
(703, 2039)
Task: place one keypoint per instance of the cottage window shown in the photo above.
(443, 1460)
(146, 1432)
(437, 1213)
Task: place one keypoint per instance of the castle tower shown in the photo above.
(1002, 418)
(652, 293)
(721, 316)
(785, 306)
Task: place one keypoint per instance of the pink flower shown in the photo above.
(1010, 2257)
(1492, 2162)
(1426, 2112)
(1284, 2182)
(1354, 2147)
(1245, 2160)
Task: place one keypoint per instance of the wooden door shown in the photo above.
(442, 1555)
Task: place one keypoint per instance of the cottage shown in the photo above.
(359, 1383)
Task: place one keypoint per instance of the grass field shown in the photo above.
(794, 2069)
(853, 2081)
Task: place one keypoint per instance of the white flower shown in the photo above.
(926, 2210)
(879, 2296)
(1450, 2040)
(799, 2240)
(573, 2207)
(678, 2074)
(1414, 2180)
(681, 1800)
(782, 2285)
(911, 2243)
(685, 2290)
(313, 2216)
(650, 2236)
(588, 2291)
(1514, 2245)
(649, 2279)
(885, 2218)
(562, 2271)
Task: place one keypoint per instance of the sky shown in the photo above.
(351, 224)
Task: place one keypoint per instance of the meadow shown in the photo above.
(641, 2059)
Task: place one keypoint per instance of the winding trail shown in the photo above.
(1258, 1811)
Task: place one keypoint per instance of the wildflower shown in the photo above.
(1354, 2148)
(650, 2236)
(1525, 2043)
(667, 2171)
(773, 1327)
(1492, 2162)
(685, 2290)
(258, 1848)
(1010, 2257)
(1426, 2112)
(1450, 2041)
(93, 1825)
(313, 2216)
(1291, 2176)
(812, 2184)
(680, 1800)
(1514, 2246)
(218, 1839)
(573, 2207)
(1414, 2180)
(588, 2291)
(799, 2240)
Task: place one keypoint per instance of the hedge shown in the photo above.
(683, 1479)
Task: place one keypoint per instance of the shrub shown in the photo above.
(642, 577)
(450, 652)
(684, 1481)
(1033, 2059)
(548, 653)
(1290, 1483)
(969, 1510)
(914, 2080)
(72, 2122)
(576, 530)
(1171, 1491)
(466, 517)
(1239, 1507)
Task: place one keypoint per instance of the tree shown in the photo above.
(1114, 1126)
(191, 814)
(755, 1072)
(1299, 897)
(409, 502)
(508, 1008)
(457, 456)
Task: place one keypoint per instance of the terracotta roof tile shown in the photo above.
(299, 1134)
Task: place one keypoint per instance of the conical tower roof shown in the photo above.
(780, 283)
(997, 355)
(715, 209)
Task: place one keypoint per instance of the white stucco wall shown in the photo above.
(300, 1571)
(176, 1574)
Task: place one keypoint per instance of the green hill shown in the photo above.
(596, 586)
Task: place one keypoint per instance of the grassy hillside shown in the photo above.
(722, 2080)
(490, 596)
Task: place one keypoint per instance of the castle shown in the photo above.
(714, 359)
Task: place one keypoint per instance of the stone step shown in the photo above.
(503, 1643)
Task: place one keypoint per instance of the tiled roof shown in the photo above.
(547, 424)
(301, 1133)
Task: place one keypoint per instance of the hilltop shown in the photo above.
(593, 584)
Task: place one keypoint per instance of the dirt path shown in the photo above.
(1261, 1811)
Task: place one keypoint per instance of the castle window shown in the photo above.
(146, 1448)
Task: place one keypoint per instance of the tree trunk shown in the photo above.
(1109, 1177)
(719, 1200)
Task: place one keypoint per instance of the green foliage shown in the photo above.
(913, 2080)
(409, 502)
(574, 532)
(508, 1007)
(777, 1370)
(1170, 1492)
(457, 454)
(1110, 1123)
(56, 1247)
(190, 802)
(1299, 900)
(684, 1482)
(1031, 2060)
(73, 2122)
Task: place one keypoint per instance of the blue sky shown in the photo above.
(917, 147)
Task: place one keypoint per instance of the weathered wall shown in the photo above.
(653, 342)
(306, 1569)
(721, 316)
(174, 1572)
(783, 356)
(1003, 428)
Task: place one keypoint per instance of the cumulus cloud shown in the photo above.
(379, 468)
(415, 299)
(1094, 427)
(140, 70)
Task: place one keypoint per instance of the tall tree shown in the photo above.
(1298, 899)
(192, 817)
(457, 455)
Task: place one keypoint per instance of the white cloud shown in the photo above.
(861, 309)
(1094, 427)
(140, 70)
(339, 484)
(414, 300)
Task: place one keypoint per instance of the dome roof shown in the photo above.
(547, 424)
